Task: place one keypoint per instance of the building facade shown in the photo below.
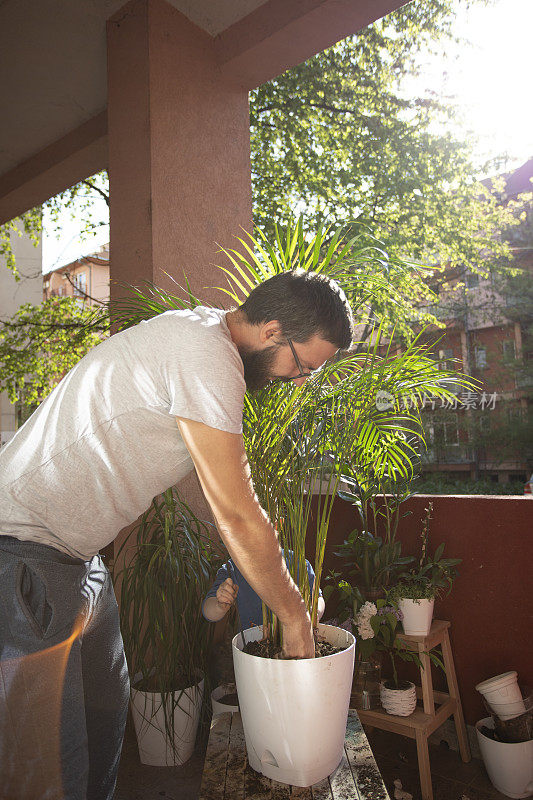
(86, 278)
(488, 431)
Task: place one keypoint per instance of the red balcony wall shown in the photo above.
(490, 606)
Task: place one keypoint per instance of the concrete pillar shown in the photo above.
(179, 151)
(179, 159)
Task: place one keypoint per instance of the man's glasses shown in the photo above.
(301, 374)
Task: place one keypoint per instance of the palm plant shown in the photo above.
(332, 425)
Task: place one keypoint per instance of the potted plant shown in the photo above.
(417, 589)
(297, 437)
(371, 563)
(377, 627)
(166, 564)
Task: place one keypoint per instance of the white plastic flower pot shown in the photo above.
(417, 616)
(149, 719)
(503, 695)
(294, 712)
(509, 766)
(217, 695)
(399, 702)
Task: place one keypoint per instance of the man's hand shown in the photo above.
(225, 476)
(227, 594)
(298, 640)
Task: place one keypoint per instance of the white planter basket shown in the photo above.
(417, 616)
(294, 712)
(149, 720)
(503, 695)
(509, 765)
(400, 702)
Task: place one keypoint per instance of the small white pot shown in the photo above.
(400, 702)
(149, 720)
(503, 695)
(509, 765)
(294, 712)
(222, 691)
(417, 616)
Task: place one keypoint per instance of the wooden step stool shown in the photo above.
(437, 706)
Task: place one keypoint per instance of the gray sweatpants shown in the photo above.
(64, 685)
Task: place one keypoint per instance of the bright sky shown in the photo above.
(491, 82)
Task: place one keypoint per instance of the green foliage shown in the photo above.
(377, 629)
(79, 199)
(432, 574)
(167, 564)
(29, 224)
(446, 483)
(371, 561)
(331, 427)
(341, 139)
(39, 344)
(299, 438)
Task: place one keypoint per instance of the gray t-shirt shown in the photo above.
(93, 455)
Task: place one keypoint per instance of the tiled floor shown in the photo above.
(139, 782)
(395, 755)
(452, 779)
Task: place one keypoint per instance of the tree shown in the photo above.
(338, 138)
(79, 199)
(41, 343)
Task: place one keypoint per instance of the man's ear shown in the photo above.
(270, 331)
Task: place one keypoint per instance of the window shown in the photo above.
(446, 360)
(509, 350)
(480, 356)
(472, 280)
(484, 423)
(515, 414)
(444, 431)
(80, 283)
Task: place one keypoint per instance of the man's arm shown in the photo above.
(250, 538)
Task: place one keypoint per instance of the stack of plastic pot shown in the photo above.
(506, 736)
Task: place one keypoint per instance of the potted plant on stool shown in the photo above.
(377, 626)
(417, 589)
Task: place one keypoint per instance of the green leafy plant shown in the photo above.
(377, 628)
(167, 564)
(370, 561)
(432, 576)
(299, 438)
(39, 344)
(333, 427)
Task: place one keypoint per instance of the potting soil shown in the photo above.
(264, 648)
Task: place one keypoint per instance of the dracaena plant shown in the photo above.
(163, 570)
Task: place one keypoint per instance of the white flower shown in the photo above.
(364, 615)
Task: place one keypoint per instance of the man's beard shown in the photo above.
(257, 366)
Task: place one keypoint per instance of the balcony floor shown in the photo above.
(395, 755)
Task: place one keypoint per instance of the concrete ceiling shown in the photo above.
(53, 64)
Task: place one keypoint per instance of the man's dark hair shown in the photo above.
(305, 304)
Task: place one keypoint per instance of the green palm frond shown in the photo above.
(331, 428)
